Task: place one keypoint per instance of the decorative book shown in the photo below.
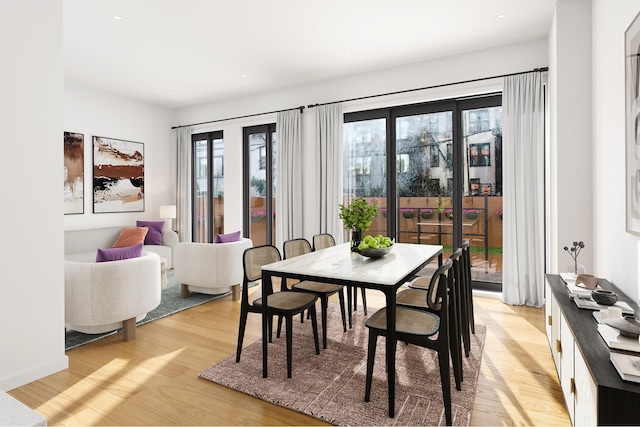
(628, 366)
(590, 304)
(614, 340)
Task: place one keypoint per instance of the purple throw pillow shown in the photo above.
(227, 238)
(118, 254)
(154, 236)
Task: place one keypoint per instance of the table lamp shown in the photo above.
(168, 212)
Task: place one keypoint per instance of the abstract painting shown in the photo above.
(73, 173)
(632, 119)
(118, 175)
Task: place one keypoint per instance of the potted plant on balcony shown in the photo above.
(448, 213)
(258, 215)
(357, 217)
(499, 213)
(471, 213)
(407, 212)
(426, 213)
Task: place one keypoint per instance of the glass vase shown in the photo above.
(356, 239)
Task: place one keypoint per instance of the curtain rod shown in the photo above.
(543, 69)
(240, 117)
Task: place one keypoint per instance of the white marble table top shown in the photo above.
(338, 262)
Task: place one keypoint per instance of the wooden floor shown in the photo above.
(153, 380)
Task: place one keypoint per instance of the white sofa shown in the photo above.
(89, 240)
(105, 296)
(210, 268)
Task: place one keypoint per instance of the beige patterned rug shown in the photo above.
(330, 386)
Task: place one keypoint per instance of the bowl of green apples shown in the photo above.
(375, 247)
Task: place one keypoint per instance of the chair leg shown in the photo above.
(342, 311)
(243, 324)
(314, 327)
(279, 328)
(443, 360)
(371, 356)
(454, 342)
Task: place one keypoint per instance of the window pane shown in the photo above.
(423, 141)
(218, 186)
(365, 167)
(482, 201)
(201, 171)
(258, 187)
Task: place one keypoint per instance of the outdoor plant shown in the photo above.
(448, 213)
(426, 213)
(471, 213)
(499, 213)
(574, 251)
(258, 215)
(407, 212)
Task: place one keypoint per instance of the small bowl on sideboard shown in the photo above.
(603, 297)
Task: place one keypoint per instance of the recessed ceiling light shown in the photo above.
(244, 76)
(502, 16)
(117, 17)
(348, 52)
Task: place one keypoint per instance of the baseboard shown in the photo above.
(487, 294)
(35, 374)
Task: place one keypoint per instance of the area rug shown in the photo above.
(170, 303)
(330, 386)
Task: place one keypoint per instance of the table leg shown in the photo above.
(391, 349)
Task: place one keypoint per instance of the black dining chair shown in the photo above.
(326, 240)
(416, 298)
(296, 247)
(469, 325)
(283, 304)
(428, 329)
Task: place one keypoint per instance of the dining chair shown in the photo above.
(284, 304)
(427, 329)
(468, 296)
(416, 298)
(325, 240)
(323, 291)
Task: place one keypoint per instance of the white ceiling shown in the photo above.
(177, 53)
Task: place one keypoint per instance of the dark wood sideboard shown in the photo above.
(617, 402)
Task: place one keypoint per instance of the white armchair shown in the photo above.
(210, 268)
(104, 296)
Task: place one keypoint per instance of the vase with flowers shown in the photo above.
(357, 217)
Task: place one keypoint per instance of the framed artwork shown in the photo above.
(480, 154)
(632, 125)
(73, 173)
(118, 175)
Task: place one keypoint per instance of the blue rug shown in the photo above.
(170, 303)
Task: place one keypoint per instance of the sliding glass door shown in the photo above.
(259, 189)
(444, 160)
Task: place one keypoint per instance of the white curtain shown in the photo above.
(329, 124)
(523, 187)
(288, 176)
(183, 185)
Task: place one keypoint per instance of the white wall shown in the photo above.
(95, 113)
(486, 63)
(32, 302)
(616, 252)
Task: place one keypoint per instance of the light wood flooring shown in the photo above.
(153, 380)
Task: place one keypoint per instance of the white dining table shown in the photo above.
(337, 264)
